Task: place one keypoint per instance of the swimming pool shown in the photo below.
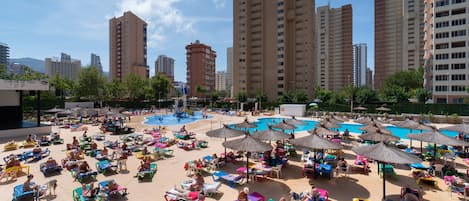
(263, 123)
(171, 119)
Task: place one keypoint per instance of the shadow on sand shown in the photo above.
(336, 188)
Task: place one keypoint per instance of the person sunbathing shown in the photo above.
(89, 192)
(51, 162)
(341, 165)
(312, 195)
(183, 129)
(104, 152)
(29, 186)
(124, 146)
(411, 194)
(55, 136)
(85, 134)
(198, 184)
(37, 150)
(84, 167)
(243, 195)
(112, 186)
(420, 174)
(145, 151)
(29, 139)
(44, 138)
(12, 162)
(144, 165)
(75, 142)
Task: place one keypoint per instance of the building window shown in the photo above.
(458, 33)
(442, 3)
(458, 100)
(458, 66)
(458, 22)
(458, 44)
(442, 14)
(442, 56)
(458, 1)
(458, 11)
(442, 24)
(441, 67)
(458, 77)
(458, 55)
(442, 35)
(441, 77)
(442, 46)
(441, 88)
(458, 88)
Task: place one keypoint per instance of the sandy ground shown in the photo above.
(171, 173)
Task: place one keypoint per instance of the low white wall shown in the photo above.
(298, 110)
(23, 132)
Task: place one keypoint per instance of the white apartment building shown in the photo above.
(450, 75)
(65, 67)
(220, 81)
(360, 64)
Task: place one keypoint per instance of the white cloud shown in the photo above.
(162, 17)
(219, 3)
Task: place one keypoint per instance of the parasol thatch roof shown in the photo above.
(438, 138)
(315, 142)
(284, 126)
(322, 131)
(225, 132)
(388, 154)
(247, 143)
(460, 128)
(270, 134)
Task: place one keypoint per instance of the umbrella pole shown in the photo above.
(225, 152)
(421, 148)
(384, 180)
(247, 167)
(434, 152)
(411, 139)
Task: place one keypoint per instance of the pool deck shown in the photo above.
(171, 172)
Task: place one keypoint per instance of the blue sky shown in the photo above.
(44, 28)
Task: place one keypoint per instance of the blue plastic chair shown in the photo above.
(19, 194)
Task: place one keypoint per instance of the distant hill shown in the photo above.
(35, 64)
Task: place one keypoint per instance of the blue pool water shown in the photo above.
(171, 119)
(263, 123)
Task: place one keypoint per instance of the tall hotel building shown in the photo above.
(335, 51)
(4, 54)
(360, 65)
(273, 46)
(165, 65)
(200, 68)
(127, 47)
(448, 43)
(66, 67)
(96, 62)
(399, 37)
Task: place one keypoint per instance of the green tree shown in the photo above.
(300, 96)
(242, 96)
(286, 97)
(323, 94)
(160, 85)
(135, 86)
(395, 94)
(365, 95)
(423, 95)
(201, 90)
(408, 80)
(61, 86)
(90, 84)
(115, 90)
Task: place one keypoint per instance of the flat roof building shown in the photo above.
(127, 47)
(273, 47)
(4, 53)
(165, 65)
(200, 69)
(335, 48)
(66, 67)
(96, 62)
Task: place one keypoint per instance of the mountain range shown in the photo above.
(35, 64)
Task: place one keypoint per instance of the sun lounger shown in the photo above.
(119, 190)
(388, 168)
(19, 194)
(29, 144)
(415, 193)
(147, 174)
(178, 195)
(231, 179)
(91, 175)
(10, 146)
(212, 188)
(77, 195)
(105, 167)
(419, 166)
(46, 170)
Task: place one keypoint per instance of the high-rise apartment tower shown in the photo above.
(273, 46)
(127, 47)
(200, 69)
(335, 51)
(165, 65)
